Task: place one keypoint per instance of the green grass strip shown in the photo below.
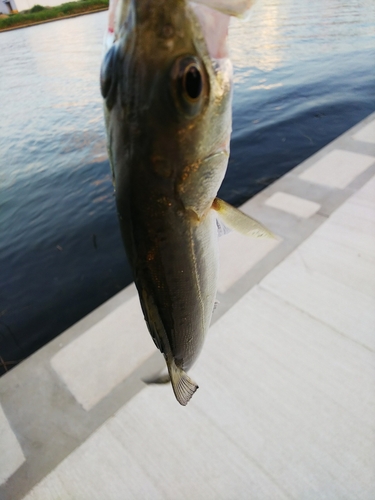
(40, 14)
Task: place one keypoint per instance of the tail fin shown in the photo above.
(183, 386)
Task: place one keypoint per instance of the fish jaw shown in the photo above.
(237, 8)
(214, 26)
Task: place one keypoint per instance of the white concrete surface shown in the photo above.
(366, 134)
(338, 168)
(11, 455)
(341, 285)
(238, 254)
(292, 204)
(165, 459)
(286, 402)
(96, 362)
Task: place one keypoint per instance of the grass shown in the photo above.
(39, 14)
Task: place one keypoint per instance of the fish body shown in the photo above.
(167, 102)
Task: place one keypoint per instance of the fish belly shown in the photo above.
(175, 263)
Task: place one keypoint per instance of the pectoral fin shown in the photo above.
(239, 221)
(183, 386)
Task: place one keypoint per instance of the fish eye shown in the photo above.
(189, 85)
(192, 82)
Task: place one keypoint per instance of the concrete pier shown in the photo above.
(286, 404)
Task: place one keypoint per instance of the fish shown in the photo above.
(166, 83)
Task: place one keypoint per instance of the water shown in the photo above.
(304, 74)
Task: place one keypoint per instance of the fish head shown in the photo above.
(166, 84)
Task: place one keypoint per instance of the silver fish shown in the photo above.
(166, 85)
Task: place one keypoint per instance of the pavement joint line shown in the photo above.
(63, 425)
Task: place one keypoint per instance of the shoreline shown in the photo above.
(57, 18)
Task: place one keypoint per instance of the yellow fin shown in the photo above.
(239, 221)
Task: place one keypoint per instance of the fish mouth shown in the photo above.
(214, 25)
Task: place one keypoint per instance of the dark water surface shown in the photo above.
(304, 74)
